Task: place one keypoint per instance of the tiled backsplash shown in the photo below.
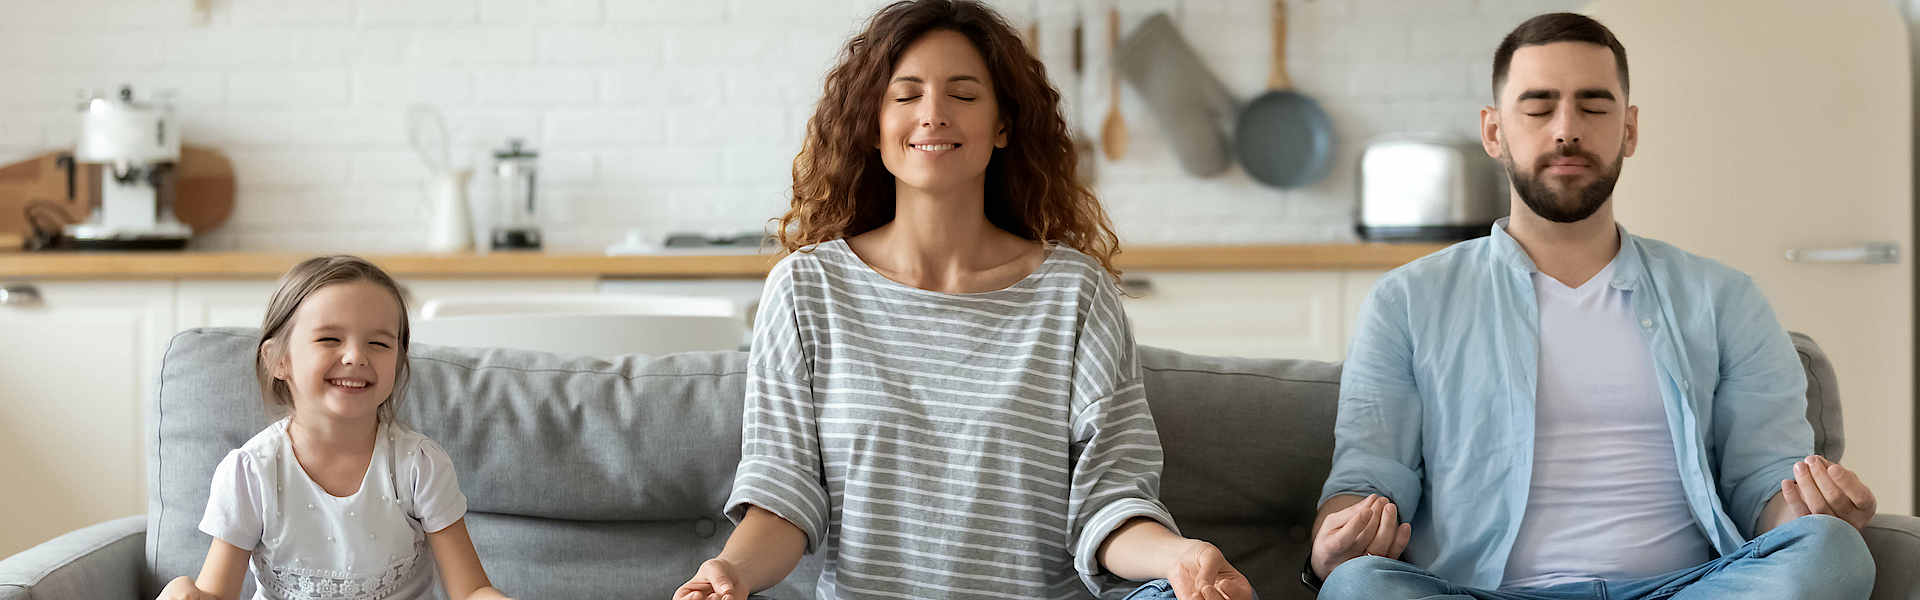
(665, 115)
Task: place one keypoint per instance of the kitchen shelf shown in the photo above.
(1293, 257)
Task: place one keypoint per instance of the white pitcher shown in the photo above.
(449, 219)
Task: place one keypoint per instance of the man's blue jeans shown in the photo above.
(1157, 589)
(1815, 556)
(1160, 589)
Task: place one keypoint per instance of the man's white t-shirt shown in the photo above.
(1606, 499)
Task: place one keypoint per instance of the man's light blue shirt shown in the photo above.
(1437, 396)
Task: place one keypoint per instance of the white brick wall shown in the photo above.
(667, 115)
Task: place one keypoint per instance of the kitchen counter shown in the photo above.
(510, 265)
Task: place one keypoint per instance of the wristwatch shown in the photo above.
(1308, 578)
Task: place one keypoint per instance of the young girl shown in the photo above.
(336, 501)
(943, 394)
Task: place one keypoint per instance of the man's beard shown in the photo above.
(1572, 205)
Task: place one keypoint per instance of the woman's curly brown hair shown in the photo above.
(841, 189)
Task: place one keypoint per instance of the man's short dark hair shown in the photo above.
(1551, 28)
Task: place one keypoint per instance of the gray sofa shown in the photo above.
(595, 479)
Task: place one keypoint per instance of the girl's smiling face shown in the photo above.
(342, 351)
(939, 119)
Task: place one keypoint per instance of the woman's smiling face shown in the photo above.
(939, 119)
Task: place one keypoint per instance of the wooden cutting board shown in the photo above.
(202, 196)
(42, 183)
(203, 188)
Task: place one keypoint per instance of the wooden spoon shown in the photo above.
(1113, 133)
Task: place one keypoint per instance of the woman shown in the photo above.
(943, 394)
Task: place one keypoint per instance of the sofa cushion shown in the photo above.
(1823, 398)
(557, 436)
(1247, 444)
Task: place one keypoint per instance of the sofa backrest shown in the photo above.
(598, 478)
(584, 477)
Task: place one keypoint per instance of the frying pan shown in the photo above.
(1283, 137)
(1193, 107)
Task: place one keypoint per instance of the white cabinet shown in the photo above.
(419, 291)
(1268, 315)
(77, 367)
(73, 370)
(1253, 314)
(219, 303)
(1354, 286)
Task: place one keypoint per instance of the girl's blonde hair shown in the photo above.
(303, 280)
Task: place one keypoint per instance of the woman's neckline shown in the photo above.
(1046, 262)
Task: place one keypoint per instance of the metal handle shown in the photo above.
(1870, 253)
(1136, 287)
(19, 295)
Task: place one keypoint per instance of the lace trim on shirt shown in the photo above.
(308, 584)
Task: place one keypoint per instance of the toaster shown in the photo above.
(1428, 188)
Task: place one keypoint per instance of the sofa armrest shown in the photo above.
(1894, 541)
(102, 561)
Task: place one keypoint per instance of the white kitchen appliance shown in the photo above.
(136, 145)
(1428, 187)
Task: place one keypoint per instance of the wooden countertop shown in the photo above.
(506, 265)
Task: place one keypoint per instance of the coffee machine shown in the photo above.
(135, 145)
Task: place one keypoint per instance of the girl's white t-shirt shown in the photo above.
(308, 544)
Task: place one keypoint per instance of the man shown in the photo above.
(1565, 410)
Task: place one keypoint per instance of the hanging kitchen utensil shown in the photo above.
(1079, 50)
(1087, 156)
(1033, 30)
(1113, 132)
(1194, 109)
(1283, 137)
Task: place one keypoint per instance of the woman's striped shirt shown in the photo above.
(939, 445)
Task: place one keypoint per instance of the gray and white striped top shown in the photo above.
(941, 445)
